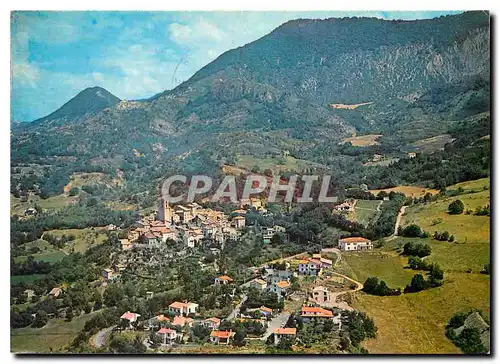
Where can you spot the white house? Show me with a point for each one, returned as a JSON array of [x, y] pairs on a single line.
[[355, 243], [286, 332], [182, 308], [223, 280], [131, 317], [258, 284], [212, 323], [168, 335], [221, 337]]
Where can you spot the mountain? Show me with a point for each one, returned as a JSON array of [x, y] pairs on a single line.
[[417, 79], [88, 102]]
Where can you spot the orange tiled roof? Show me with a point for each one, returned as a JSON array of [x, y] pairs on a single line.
[[283, 284], [316, 312], [213, 319], [265, 309], [286, 331], [225, 278], [165, 330], [303, 261], [178, 305], [222, 334], [356, 239]]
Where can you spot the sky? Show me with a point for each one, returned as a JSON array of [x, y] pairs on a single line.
[[134, 55]]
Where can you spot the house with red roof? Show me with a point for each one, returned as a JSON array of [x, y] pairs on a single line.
[[212, 323], [168, 335], [355, 243], [131, 317], [182, 321], [221, 337], [182, 308], [223, 280], [285, 332], [307, 313]]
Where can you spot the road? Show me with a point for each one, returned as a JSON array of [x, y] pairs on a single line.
[[276, 322], [234, 313], [398, 222], [99, 339]]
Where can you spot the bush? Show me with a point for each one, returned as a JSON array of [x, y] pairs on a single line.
[[416, 249], [412, 231], [456, 207], [379, 288], [74, 191]]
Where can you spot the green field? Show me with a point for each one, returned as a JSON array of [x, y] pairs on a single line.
[[472, 233], [415, 322], [54, 335], [387, 265], [55, 202], [365, 211]]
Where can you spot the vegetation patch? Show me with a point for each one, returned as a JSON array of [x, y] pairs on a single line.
[[408, 191], [363, 140]]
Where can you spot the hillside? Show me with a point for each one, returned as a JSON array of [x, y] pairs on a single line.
[[420, 78], [88, 102]]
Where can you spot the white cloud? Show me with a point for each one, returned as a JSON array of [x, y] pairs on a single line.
[[26, 74]]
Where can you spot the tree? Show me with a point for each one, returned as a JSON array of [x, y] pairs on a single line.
[[436, 271], [417, 284], [40, 319], [239, 337], [469, 341], [412, 231], [456, 207], [370, 285], [74, 191]]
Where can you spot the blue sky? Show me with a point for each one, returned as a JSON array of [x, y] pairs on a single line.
[[55, 55]]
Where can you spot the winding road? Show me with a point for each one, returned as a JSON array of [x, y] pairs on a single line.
[[99, 339], [398, 222]]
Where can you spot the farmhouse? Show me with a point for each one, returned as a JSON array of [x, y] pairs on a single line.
[[56, 291], [355, 243], [182, 321], [131, 317], [108, 274]]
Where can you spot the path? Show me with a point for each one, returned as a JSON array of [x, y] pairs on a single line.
[[398, 222], [236, 310], [99, 339], [278, 260], [334, 295]]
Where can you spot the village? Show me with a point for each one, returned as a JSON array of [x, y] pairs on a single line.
[[301, 288]]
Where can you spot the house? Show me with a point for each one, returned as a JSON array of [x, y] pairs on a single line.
[[412, 155], [212, 323], [265, 311], [157, 320], [131, 317], [182, 321], [326, 263], [108, 274], [184, 213], [286, 332], [279, 229], [149, 238], [168, 335], [347, 206], [320, 294], [221, 337], [310, 267], [281, 288], [316, 256], [223, 280], [30, 211], [126, 244], [355, 243], [111, 227], [308, 313], [192, 237], [164, 233], [29, 294], [239, 222], [258, 284], [182, 308], [149, 295], [55, 292]]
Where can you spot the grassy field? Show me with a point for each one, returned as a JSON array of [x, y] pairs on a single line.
[[410, 191], [365, 211], [363, 140], [472, 186], [84, 238], [472, 233], [387, 265], [80, 179], [54, 335], [415, 323]]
